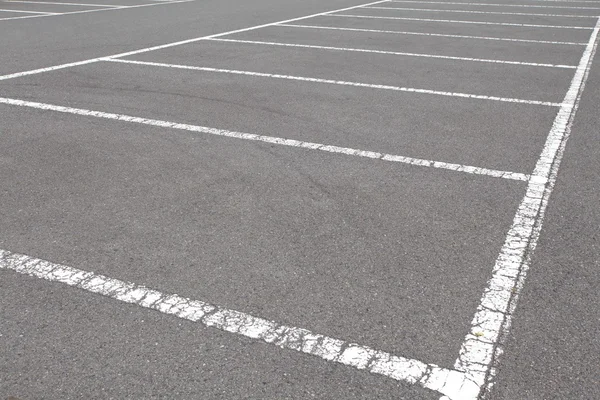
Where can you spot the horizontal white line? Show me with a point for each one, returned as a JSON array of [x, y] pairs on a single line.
[[493, 4], [287, 337], [569, 1], [22, 17], [272, 140], [461, 22], [29, 12], [336, 82], [62, 4], [396, 53], [432, 34], [481, 12]]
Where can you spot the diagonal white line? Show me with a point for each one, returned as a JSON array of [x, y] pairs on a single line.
[[493, 4], [173, 44], [64, 4], [273, 140], [97, 10], [337, 82], [288, 337], [430, 34], [37, 13], [483, 345], [397, 53], [480, 12], [453, 21]]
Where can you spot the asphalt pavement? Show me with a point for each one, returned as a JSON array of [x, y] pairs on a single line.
[[368, 200]]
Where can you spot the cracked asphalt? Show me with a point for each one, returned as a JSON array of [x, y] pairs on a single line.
[[390, 256]]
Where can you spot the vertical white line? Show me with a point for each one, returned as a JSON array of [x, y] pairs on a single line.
[[483, 344]]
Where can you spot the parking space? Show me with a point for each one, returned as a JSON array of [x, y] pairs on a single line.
[[345, 183]]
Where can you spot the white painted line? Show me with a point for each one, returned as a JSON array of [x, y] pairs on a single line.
[[483, 345], [481, 12], [569, 1], [462, 22], [493, 5], [287, 337], [22, 17], [29, 12], [396, 53], [99, 9], [64, 4], [432, 34], [272, 140], [173, 44], [336, 82]]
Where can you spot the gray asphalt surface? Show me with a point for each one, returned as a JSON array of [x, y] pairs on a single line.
[[386, 255]]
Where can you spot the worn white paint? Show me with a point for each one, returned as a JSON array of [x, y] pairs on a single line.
[[493, 4], [97, 10], [286, 337], [173, 44], [484, 343], [396, 53], [42, 13], [337, 82], [453, 21], [272, 140], [336, 28], [480, 12], [64, 4]]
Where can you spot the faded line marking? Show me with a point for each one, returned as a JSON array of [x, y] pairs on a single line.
[[287, 337], [483, 345], [396, 53], [494, 4], [99, 9], [173, 44], [29, 12], [453, 21], [273, 140], [64, 4], [336, 82], [431, 34], [481, 12]]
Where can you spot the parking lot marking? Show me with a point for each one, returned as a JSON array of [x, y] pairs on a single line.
[[29, 12], [173, 44], [396, 53], [431, 34], [272, 140], [480, 12], [493, 4], [283, 336], [63, 4], [569, 1], [453, 21], [336, 82], [99, 9], [484, 343]]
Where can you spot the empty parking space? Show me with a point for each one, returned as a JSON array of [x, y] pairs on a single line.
[[445, 27], [364, 184], [371, 37], [360, 118], [338, 237]]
